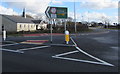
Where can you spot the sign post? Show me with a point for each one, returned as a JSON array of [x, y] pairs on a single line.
[[56, 13], [51, 29], [65, 25]]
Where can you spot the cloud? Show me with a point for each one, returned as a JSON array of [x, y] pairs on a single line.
[[56, 2], [78, 15], [31, 6], [93, 16], [7, 11], [36, 8], [100, 4]]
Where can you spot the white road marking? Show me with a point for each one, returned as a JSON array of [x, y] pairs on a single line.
[[67, 53], [72, 59], [34, 48], [9, 50], [93, 57], [95, 33], [73, 41], [100, 61]]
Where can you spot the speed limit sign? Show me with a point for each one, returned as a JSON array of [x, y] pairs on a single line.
[[53, 10]]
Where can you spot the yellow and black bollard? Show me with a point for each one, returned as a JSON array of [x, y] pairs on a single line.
[[67, 37]]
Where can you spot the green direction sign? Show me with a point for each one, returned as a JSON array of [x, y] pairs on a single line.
[[56, 12]]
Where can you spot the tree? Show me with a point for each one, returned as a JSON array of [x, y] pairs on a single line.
[[105, 20], [70, 19]]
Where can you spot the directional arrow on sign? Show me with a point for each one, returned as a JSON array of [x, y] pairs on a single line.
[[46, 12]]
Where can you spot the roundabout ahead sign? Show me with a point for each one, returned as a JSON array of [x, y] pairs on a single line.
[[56, 12]]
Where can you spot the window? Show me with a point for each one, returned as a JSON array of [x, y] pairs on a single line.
[[24, 26], [20, 25]]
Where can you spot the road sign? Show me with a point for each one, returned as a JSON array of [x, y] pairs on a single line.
[[56, 12]]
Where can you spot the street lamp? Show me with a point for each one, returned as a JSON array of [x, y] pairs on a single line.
[[75, 17]]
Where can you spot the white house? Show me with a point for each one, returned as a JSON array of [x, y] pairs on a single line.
[[21, 23], [18, 23]]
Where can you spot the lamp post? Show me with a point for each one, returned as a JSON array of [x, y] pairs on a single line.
[[75, 17]]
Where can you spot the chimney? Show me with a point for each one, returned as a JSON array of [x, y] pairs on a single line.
[[23, 14]]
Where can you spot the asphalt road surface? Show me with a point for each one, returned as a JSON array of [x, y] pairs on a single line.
[[87, 52]]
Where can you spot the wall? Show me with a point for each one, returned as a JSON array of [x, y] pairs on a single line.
[[9, 25]]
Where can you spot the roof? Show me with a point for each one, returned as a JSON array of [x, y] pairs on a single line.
[[36, 21], [18, 19]]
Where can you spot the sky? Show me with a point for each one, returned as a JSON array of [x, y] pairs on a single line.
[[86, 10]]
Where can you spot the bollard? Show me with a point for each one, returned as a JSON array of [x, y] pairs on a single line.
[[4, 35], [67, 37]]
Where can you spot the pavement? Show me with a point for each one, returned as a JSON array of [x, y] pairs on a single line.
[[86, 52]]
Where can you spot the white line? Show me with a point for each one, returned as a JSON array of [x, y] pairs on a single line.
[[93, 56], [10, 44], [73, 41], [82, 60], [33, 48], [16, 51], [67, 53], [103, 62], [90, 55]]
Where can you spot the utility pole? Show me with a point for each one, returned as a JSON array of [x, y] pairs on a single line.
[[75, 16], [88, 18]]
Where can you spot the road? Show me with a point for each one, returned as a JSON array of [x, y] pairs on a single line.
[[88, 52]]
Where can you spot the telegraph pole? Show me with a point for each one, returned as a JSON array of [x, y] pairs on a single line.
[[75, 16]]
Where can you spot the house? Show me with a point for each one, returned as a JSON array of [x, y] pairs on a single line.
[[17, 23], [21, 23], [40, 25]]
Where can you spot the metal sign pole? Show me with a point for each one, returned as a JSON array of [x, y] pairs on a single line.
[[51, 29], [65, 24], [75, 17]]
